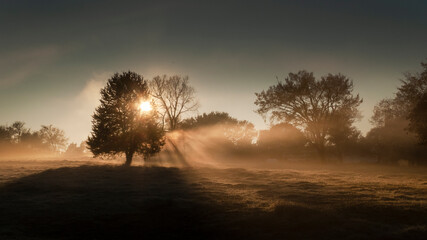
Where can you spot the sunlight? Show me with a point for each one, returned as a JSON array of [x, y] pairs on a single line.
[[145, 107]]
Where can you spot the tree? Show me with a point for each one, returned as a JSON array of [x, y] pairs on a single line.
[[418, 119], [53, 137], [413, 87], [343, 135], [310, 104], [281, 141], [400, 120], [413, 93], [34, 141], [175, 97], [119, 126], [207, 119], [387, 110], [18, 129], [5, 134], [73, 150], [238, 133]]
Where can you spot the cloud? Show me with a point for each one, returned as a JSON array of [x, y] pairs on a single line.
[[89, 96], [77, 120], [20, 65]]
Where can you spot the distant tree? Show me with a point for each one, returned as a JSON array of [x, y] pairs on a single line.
[[281, 141], [207, 119], [118, 125], [18, 129], [53, 137], [5, 134], [418, 119], [342, 134], [387, 110], [391, 143], [34, 141], [239, 133], [400, 120], [413, 87], [73, 150], [175, 97], [310, 104]]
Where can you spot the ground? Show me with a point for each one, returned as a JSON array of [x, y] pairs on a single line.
[[89, 199]]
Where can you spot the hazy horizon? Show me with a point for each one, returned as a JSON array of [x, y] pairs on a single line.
[[57, 55]]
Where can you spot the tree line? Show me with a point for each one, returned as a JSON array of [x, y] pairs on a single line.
[[18, 140], [309, 118]]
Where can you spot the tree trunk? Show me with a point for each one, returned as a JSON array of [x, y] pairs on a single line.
[[129, 156]]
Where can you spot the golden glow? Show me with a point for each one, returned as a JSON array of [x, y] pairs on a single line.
[[145, 107]]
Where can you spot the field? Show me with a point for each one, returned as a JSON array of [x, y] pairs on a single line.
[[90, 199]]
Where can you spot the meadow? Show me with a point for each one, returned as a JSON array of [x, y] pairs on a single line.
[[93, 199]]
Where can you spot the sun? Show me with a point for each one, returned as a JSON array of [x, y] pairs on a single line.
[[145, 107]]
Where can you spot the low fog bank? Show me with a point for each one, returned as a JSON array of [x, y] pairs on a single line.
[[238, 146], [17, 142], [218, 147]]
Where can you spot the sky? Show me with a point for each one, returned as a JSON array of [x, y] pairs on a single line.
[[56, 55]]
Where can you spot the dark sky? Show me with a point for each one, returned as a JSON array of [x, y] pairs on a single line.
[[55, 55]]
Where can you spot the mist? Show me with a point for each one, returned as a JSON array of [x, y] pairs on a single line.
[[213, 120]]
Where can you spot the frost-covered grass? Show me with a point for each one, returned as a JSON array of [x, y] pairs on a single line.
[[87, 199]]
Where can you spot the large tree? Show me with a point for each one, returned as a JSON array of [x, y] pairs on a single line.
[[120, 125], [312, 105], [175, 97]]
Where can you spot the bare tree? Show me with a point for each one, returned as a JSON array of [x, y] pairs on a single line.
[[175, 97]]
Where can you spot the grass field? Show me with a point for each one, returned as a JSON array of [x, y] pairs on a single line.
[[94, 200]]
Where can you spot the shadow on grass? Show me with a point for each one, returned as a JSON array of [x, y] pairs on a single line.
[[106, 202]]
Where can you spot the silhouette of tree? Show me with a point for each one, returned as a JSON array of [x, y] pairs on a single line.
[[119, 126], [5, 134], [76, 151], [175, 97], [310, 104], [418, 119], [207, 119], [33, 140], [342, 134], [281, 141], [53, 137], [239, 133], [391, 142], [17, 130], [400, 120], [387, 110], [413, 87]]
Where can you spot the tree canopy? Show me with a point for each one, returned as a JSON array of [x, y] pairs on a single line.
[[281, 141], [316, 106], [239, 133], [118, 125], [418, 119], [53, 137], [408, 105]]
